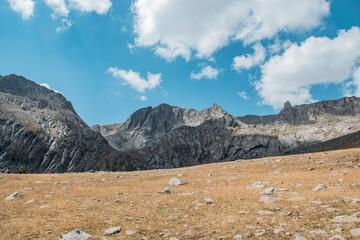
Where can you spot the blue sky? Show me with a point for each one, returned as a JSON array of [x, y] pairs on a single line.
[[110, 58]]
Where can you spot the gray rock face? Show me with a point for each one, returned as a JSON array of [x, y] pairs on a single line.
[[40, 129]]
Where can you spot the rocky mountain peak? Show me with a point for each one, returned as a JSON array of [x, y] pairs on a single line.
[[20, 86]]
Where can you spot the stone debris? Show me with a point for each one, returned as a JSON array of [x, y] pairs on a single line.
[[350, 199], [190, 193], [238, 237], [30, 201], [75, 235], [112, 231], [272, 190], [319, 187], [12, 196], [266, 199], [38, 182], [243, 212], [346, 219], [167, 190], [176, 182], [209, 200], [130, 232], [259, 185], [337, 237], [279, 230], [265, 212], [355, 232]]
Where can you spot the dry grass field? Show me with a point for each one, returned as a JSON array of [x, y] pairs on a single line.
[[53, 204]]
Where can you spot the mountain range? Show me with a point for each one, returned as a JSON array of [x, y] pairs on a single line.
[[40, 129]]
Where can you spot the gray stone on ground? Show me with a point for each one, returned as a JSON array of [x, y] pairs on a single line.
[[12, 196], [266, 199], [265, 212], [319, 187], [271, 191], [130, 232], [167, 190], [259, 184], [346, 219], [355, 232], [176, 182], [279, 230], [337, 237], [112, 231], [75, 235], [238, 237], [209, 200]]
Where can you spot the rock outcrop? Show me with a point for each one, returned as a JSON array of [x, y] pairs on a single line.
[[40, 129]]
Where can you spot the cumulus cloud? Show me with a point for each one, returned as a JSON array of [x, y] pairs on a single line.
[[356, 77], [206, 72], [61, 9], [58, 7], [317, 60], [134, 80], [99, 6], [179, 27], [243, 95], [249, 61], [23, 7]]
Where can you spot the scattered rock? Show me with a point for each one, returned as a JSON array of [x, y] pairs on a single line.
[[266, 199], [190, 233], [30, 201], [209, 200], [271, 191], [319, 187], [265, 212], [75, 235], [259, 184], [130, 232], [355, 232], [176, 182], [167, 190], [38, 182], [279, 230], [112, 231], [12, 196], [337, 237], [345, 219], [238, 237]]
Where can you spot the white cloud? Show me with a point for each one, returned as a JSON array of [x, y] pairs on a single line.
[[58, 7], [99, 6], [134, 79], [206, 72], [321, 60], [356, 77], [178, 27], [143, 98], [243, 95], [23, 7], [249, 61], [48, 87], [66, 23]]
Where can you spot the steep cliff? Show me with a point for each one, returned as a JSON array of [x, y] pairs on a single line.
[[40, 129]]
